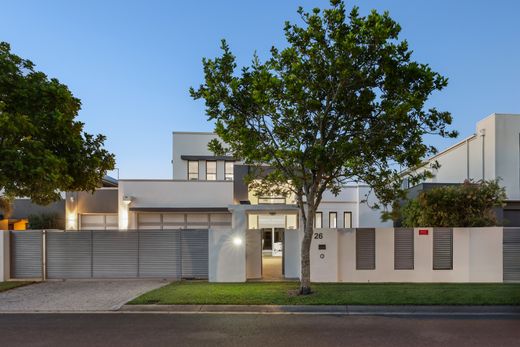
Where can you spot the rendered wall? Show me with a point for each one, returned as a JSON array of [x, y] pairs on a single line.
[[191, 143], [477, 257], [227, 260], [169, 193], [507, 140]]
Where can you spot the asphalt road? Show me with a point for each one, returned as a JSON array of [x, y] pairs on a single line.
[[118, 329]]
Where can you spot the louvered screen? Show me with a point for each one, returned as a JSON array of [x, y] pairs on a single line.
[[403, 249], [442, 249], [365, 249], [511, 254]]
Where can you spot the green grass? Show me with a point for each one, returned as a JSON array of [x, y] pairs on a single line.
[[283, 293], [10, 285]]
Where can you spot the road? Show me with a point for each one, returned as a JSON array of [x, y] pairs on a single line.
[[118, 329]]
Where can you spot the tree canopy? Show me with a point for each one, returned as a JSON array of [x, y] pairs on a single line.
[[343, 102], [43, 149]]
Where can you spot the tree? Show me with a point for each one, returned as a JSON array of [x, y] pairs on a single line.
[[43, 149], [471, 204], [343, 102]]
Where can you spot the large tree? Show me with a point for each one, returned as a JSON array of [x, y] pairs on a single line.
[[43, 149], [343, 102]]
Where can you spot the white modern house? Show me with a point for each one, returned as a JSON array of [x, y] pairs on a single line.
[[205, 222]]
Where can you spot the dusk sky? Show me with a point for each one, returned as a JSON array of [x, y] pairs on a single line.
[[132, 62]]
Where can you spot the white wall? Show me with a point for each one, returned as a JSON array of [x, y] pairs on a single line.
[[191, 143], [169, 193], [349, 200], [507, 154], [477, 257], [227, 260]]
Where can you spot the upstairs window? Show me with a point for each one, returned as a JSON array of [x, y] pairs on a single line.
[[318, 220], [228, 170], [211, 170], [193, 170], [347, 219], [333, 219]]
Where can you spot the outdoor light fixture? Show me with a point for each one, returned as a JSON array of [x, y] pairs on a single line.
[[237, 241], [127, 199]]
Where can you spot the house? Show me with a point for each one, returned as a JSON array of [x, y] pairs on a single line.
[[493, 152], [205, 222]]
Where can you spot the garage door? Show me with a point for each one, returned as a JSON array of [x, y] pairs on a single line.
[[161, 221], [98, 222]]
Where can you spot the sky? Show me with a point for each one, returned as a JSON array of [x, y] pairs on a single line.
[[132, 62]]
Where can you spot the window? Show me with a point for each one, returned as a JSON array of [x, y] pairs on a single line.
[[403, 249], [211, 170], [365, 249], [271, 200], [193, 170], [333, 218], [442, 249], [318, 220], [228, 170], [347, 219]]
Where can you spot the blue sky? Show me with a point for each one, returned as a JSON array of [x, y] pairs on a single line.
[[132, 62]]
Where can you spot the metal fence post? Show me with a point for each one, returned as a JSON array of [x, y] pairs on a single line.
[[44, 255]]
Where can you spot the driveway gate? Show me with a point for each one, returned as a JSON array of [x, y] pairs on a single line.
[[111, 254]]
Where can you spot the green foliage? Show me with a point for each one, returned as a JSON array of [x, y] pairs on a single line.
[[45, 221], [6, 207], [343, 102], [43, 150], [467, 205]]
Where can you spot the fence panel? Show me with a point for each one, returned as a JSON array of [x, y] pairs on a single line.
[[160, 253], [26, 254], [69, 254]]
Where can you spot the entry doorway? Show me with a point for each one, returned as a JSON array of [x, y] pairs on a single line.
[[272, 253]]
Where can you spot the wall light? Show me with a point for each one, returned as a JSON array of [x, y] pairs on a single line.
[[127, 199], [71, 221], [237, 241]]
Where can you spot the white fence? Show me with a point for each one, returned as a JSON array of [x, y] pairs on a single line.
[[471, 255]]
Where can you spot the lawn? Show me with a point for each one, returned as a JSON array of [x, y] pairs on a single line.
[[10, 285], [283, 293]]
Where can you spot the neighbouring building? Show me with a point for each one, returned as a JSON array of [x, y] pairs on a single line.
[[493, 152]]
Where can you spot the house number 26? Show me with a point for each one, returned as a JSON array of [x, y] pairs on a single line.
[[318, 236]]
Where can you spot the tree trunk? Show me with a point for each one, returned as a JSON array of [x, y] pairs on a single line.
[[308, 228]]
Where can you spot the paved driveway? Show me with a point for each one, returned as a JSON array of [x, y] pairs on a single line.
[[75, 295]]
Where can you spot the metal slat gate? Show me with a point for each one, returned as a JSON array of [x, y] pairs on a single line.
[[111, 254], [26, 254], [194, 252], [511, 244]]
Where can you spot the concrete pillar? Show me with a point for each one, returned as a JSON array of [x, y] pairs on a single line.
[[227, 250]]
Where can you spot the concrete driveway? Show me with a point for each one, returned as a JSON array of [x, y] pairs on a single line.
[[75, 295]]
